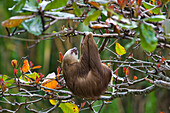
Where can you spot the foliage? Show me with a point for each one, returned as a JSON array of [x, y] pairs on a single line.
[[139, 32]]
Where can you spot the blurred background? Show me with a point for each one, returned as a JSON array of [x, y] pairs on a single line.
[[46, 54]]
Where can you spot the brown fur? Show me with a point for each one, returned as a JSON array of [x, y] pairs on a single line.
[[88, 77]]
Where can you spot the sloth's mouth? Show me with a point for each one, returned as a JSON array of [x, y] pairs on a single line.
[[74, 50]]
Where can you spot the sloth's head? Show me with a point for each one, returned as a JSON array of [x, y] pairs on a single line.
[[71, 56]]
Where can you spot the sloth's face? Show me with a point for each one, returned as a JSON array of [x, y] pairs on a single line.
[[74, 51], [71, 54]]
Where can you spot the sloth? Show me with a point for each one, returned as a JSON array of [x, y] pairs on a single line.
[[86, 77]]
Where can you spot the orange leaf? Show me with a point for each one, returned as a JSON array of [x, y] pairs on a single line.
[[36, 67], [135, 78], [14, 63], [162, 60], [52, 84], [15, 21], [26, 66], [50, 81], [127, 71], [120, 50], [108, 64], [95, 4]]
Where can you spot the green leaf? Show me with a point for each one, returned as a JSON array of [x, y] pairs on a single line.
[[60, 14], [9, 82], [130, 43], [77, 11], [92, 17], [32, 4], [147, 36], [155, 18], [166, 27], [33, 25], [69, 108], [149, 6], [56, 4], [18, 6], [4, 77], [33, 75]]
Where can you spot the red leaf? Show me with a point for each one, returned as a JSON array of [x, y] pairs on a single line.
[[14, 63], [157, 65], [2, 84], [58, 85], [15, 71], [122, 3], [107, 31], [109, 14], [62, 28], [124, 69], [83, 104], [31, 64], [159, 2], [61, 56], [39, 78], [147, 58], [139, 2]]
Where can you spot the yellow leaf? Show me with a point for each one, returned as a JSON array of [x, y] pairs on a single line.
[[53, 102], [15, 21], [69, 107], [120, 50]]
